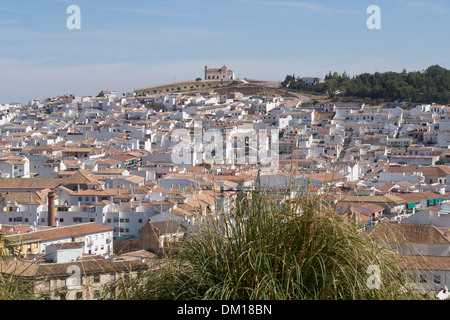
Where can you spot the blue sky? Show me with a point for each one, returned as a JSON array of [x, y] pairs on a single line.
[[126, 45]]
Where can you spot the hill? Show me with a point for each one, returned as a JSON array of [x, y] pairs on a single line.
[[428, 86], [250, 87], [187, 86]]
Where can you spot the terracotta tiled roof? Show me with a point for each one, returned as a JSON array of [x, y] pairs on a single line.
[[80, 178], [60, 232], [55, 270], [29, 183], [111, 171], [423, 262], [418, 196], [431, 171], [390, 233], [37, 197], [370, 199], [123, 156], [326, 176]]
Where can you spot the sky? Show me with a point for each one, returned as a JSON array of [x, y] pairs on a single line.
[[128, 45]]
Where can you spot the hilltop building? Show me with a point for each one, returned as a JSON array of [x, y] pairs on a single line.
[[222, 73]]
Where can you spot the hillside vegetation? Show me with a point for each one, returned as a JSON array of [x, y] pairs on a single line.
[[428, 86]]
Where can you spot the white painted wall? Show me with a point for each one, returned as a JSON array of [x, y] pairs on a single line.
[[53, 254]]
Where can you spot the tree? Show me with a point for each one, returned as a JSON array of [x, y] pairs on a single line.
[[428, 86], [289, 82]]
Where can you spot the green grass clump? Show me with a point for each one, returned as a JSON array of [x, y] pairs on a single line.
[[12, 286], [295, 249]]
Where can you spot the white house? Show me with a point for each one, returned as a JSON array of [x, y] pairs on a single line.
[[15, 167], [439, 218], [443, 139], [93, 238], [411, 177], [63, 252]]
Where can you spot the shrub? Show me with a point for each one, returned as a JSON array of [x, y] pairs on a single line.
[[297, 248]]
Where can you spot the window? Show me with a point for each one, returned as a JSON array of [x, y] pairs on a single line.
[[122, 220], [80, 198], [108, 220], [140, 220], [96, 278], [127, 220], [79, 295], [437, 279], [423, 278]]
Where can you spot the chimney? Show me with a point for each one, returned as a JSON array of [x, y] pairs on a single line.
[[51, 209]]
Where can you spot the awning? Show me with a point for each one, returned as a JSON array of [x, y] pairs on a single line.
[[431, 202], [411, 205]]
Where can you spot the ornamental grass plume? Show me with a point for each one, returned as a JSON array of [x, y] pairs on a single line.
[[12, 286], [295, 248]]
